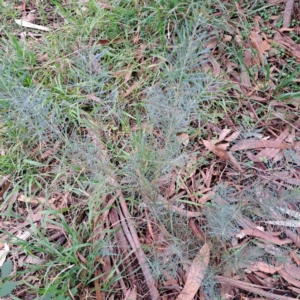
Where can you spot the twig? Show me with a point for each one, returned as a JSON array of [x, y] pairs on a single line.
[[123, 245], [139, 253], [251, 288], [285, 121]]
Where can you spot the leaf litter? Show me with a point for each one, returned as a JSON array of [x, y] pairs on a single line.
[[275, 148]]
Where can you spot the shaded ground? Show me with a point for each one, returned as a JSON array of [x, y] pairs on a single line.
[[150, 150]]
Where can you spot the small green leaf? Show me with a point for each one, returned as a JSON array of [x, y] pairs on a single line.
[[7, 288], [48, 297], [6, 268], [74, 291]]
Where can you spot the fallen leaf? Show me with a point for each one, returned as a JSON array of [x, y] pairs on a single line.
[[270, 153], [30, 17], [105, 42], [131, 89], [180, 210], [222, 154], [136, 38], [216, 67], [255, 144], [166, 184], [37, 200], [223, 134], [257, 44], [93, 97], [289, 278], [31, 25], [264, 267], [183, 138], [196, 274], [226, 38], [238, 39], [212, 43], [233, 136], [264, 235]]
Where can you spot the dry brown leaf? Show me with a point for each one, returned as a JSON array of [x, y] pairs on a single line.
[[105, 42], [233, 136], [212, 43], [216, 67], [255, 144], [264, 267], [257, 44], [270, 153], [93, 97], [290, 279], [180, 210], [36, 200], [248, 58], [131, 89], [257, 98], [99, 295], [222, 154], [196, 274], [223, 134], [264, 235], [205, 198], [30, 17], [245, 79], [183, 138], [136, 39], [226, 38], [265, 46], [166, 184], [239, 39], [4, 185]]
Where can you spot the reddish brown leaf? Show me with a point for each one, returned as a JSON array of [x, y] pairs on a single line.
[[105, 41], [97, 287], [263, 235]]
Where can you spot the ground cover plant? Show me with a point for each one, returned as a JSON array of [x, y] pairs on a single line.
[[149, 150]]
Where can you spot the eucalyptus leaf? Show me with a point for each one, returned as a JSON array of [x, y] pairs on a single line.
[[6, 269], [7, 288]]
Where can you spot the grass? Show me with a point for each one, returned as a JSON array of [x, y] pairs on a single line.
[[103, 117]]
